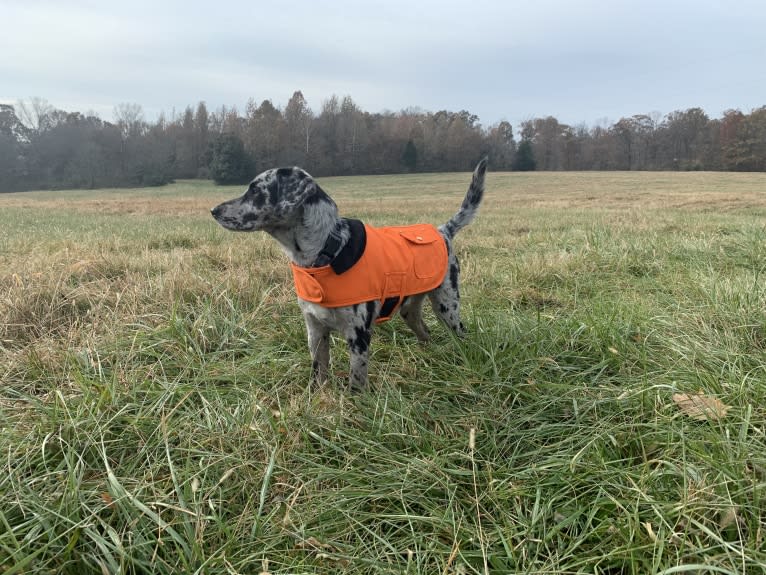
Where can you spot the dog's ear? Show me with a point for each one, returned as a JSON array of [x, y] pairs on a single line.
[[294, 185], [305, 188], [289, 190]]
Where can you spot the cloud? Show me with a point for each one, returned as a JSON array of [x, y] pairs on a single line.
[[575, 60]]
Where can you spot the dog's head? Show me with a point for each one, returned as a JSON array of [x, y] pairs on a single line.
[[274, 199]]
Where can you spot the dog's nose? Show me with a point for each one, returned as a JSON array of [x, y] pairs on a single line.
[[216, 211]]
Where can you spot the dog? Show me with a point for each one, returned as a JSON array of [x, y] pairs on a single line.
[[329, 253]]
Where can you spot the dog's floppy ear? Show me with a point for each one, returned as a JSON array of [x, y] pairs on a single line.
[[293, 186]]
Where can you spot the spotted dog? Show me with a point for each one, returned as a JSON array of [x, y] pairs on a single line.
[[290, 206]]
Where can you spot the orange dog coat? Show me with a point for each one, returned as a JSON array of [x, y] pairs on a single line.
[[395, 262]]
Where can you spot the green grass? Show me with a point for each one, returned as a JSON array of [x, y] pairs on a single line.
[[156, 414]]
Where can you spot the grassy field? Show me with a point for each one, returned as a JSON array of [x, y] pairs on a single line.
[[156, 414]]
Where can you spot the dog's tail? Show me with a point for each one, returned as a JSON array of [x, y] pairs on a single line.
[[470, 205]]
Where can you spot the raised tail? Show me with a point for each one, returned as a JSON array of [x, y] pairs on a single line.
[[470, 204]]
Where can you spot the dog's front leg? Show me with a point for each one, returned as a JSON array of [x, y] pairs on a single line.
[[358, 332], [359, 351], [319, 347]]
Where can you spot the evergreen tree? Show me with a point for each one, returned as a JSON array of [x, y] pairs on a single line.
[[229, 164], [410, 156], [525, 157]]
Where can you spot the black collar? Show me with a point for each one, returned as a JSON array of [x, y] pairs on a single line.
[[331, 246]]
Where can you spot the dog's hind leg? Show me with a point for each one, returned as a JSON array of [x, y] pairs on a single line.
[[319, 347], [445, 300], [412, 314]]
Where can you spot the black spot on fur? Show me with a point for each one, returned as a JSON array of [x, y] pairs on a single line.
[[273, 190], [370, 314], [361, 342], [453, 275], [317, 197], [443, 308], [259, 199], [249, 217]]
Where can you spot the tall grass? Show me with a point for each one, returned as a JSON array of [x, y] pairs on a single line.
[[156, 414]]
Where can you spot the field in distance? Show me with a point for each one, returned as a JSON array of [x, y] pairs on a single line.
[[605, 414]]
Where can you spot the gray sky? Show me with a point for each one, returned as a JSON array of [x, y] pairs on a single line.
[[578, 60]]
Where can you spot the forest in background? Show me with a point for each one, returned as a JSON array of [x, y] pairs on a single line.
[[42, 147]]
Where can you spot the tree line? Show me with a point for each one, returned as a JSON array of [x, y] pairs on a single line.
[[45, 148], [681, 140]]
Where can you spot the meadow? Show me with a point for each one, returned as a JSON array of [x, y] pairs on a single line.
[[606, 413]]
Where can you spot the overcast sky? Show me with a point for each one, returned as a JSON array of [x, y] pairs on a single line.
[[578, 60]]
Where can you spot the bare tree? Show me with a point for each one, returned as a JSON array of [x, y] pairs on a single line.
[[130, 119], [547, 137], [34, 114], [352, 132], [300, 122], [501, 145], [687, 132]]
